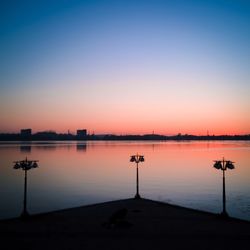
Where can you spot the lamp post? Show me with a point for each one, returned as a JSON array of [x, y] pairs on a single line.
[[224, 165], [25, 165], [137, 158]]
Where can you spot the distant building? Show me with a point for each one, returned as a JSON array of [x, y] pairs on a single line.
[[45, 135], [26, 132], [80, 133]]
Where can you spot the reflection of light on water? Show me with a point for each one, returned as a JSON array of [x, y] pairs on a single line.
[[240, 205], [79, 173], [244, 208]]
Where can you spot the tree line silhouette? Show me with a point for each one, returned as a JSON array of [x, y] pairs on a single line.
[[50, 135]]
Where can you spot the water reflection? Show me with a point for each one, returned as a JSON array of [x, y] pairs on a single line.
[[25, 149], [81, 147], [176, 172]]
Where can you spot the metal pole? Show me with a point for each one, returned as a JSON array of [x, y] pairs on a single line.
[[224, 195], [25, 213], [137, 179], [137, 196]]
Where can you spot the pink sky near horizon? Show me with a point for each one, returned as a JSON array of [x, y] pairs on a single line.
[[162, 109], [133, 127]]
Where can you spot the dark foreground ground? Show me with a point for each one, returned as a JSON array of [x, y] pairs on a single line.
[[139, 224]]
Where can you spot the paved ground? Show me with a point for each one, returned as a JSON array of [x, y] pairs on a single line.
[[125, 224]]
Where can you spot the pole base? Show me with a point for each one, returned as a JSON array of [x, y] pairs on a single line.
[[25, 215], [224, 215], [137, 196]]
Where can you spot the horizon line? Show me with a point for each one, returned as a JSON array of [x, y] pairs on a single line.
[[128, 134]]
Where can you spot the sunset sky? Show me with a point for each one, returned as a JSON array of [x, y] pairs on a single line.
[[125, 67]]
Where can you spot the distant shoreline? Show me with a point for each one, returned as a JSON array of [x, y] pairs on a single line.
[[147, 137]]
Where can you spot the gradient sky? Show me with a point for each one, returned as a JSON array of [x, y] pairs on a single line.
[[125, 66]]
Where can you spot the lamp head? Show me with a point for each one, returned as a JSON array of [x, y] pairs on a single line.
[[218, 165], [230, 165], [16, 166], [132, 159], [141, 158], [35, 165]]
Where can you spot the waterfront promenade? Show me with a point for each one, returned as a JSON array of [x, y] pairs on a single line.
[[126, 224]]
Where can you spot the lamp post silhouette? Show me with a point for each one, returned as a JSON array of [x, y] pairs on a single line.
[[25, 165], [137, 158], [224, 165]]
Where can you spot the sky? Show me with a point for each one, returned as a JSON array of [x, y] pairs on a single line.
[[125, 67]]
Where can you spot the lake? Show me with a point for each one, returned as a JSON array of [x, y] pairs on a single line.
[[76, 173]]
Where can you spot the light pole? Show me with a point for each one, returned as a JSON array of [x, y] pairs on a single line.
[[224, 165], [137, 158], [25, 165]]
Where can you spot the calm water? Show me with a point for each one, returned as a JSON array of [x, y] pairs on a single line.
[[77, 173]]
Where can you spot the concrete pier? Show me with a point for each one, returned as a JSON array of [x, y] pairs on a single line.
[[126, 224]]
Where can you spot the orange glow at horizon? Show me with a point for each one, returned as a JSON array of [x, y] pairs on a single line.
[[120, 127], [151, 112]]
